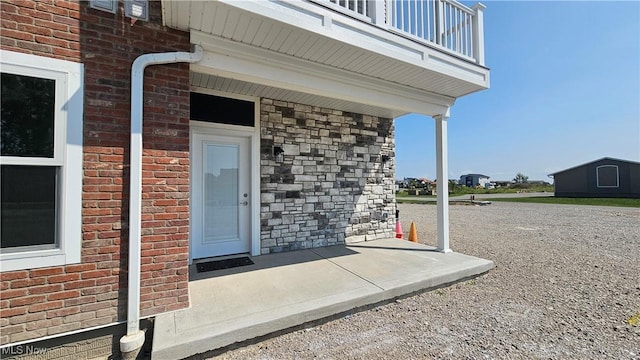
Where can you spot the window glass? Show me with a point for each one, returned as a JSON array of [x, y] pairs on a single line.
[[222, 110], [28, 206], [607, 176], [27, 116]]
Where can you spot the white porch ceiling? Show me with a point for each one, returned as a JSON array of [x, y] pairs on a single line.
[[232, 86]]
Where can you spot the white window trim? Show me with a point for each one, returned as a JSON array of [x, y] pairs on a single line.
[[598, 176], [68, 129]]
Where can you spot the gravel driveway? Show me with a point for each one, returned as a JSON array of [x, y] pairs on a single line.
[[567, 280]]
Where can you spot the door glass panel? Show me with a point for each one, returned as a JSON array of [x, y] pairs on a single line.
[[221, 193]]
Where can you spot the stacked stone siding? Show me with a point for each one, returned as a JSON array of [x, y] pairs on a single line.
[[331, 186]]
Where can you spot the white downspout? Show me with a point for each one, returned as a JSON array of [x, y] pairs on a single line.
[[134, 339]]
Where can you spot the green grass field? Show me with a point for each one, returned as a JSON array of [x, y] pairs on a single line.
[[575, 201]]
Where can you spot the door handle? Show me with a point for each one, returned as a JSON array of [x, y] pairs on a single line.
[[245, 203]]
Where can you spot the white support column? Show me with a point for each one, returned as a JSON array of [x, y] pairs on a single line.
[[442, 176]]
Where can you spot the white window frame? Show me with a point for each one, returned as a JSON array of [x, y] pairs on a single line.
[[67, 155], [598, 176]]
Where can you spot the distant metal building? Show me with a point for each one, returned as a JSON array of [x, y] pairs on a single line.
[[606, 177], [473, 180]]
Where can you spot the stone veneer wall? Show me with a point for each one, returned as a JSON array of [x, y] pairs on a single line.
[[332, 185]]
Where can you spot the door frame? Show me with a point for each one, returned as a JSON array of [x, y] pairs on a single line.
[[253, 134]]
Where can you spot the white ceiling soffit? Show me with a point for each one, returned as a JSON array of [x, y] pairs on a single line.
[[227, 85]]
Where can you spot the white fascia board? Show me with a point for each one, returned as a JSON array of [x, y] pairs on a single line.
[[247, 63]]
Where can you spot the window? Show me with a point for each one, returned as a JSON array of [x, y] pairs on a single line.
[[607, 176], [222, 110], [40, 161]]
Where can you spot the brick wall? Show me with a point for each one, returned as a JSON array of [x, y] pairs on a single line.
[[48, 301], [331, 186]]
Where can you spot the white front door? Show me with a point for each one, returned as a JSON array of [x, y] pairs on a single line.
[[221, 198]]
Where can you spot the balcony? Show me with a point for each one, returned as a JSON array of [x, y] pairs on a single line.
[[443, 24], [385, 58]]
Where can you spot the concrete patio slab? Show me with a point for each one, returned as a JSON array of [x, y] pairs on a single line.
[[285, 290]]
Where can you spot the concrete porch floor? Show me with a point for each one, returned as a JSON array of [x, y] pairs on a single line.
[[285, 290]]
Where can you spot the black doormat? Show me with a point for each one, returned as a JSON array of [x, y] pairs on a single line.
[[223, 264]]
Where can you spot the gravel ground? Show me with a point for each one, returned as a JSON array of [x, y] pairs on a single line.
[[566, 282]]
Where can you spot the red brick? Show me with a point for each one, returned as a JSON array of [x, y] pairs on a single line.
[[96, 212], [21, 35], [64, 295], [96, 290], [63, 278], [20, 19], [51, 9], [71, 5], [13, 311], [27, 282], [65, 20], [152, 267], [7, 276], [107, 280], [72, 54], [7, 8], [80, 268], [45, 289], [10, 294], [46, 272], [96, 196], [96, 227], [52, 41], [27, 300], [109, 234], [79, 284], [165, 216], [49, 305], [95, 274]]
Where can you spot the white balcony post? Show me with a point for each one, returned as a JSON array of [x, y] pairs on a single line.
[[478, 33], [440, 23], [442, 187], [377, 11]]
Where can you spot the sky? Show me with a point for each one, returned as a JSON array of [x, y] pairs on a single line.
[[564, 91]]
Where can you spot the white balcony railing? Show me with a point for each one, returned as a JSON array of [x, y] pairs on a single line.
[[446, 24]]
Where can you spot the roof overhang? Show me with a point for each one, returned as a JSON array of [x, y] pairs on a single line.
[[300, 51]]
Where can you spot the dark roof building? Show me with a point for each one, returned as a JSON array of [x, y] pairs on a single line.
[[473, 180], [606, 177]]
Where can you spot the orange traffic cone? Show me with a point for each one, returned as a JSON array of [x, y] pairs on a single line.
[[413, 233], [398, 225]]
